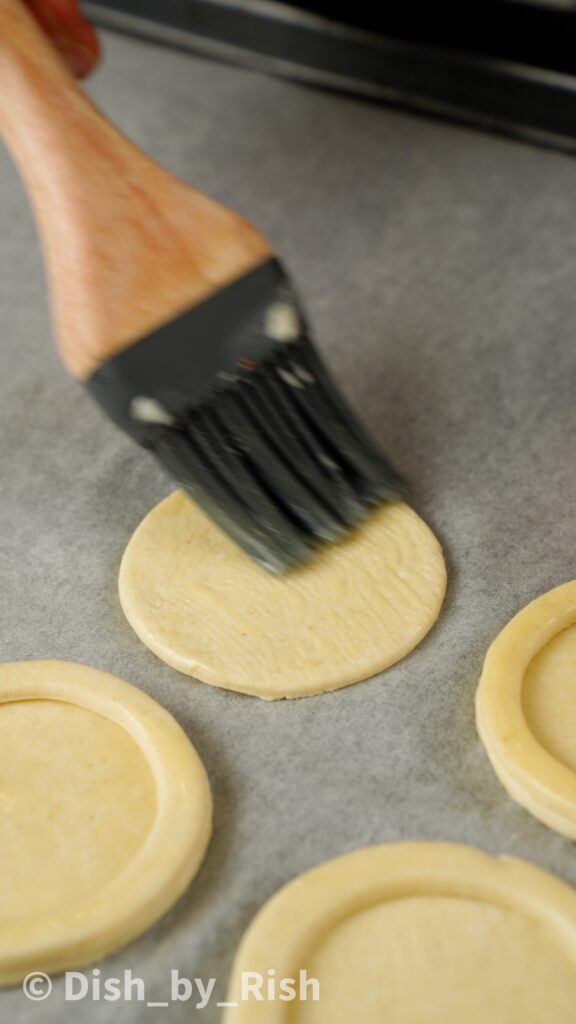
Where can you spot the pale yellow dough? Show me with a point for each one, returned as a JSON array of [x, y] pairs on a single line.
[[526, 708], [205, 608], [414, 933], [105, 815]]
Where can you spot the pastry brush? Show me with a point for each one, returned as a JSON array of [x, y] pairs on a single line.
[[182, 323]]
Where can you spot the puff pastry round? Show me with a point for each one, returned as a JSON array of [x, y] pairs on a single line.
[[205, 608], [410, 933], [105, 815], [526, 708]]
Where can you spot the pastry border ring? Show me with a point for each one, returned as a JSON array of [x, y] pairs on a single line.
[[300, 915], [531, 774], [131, 901]]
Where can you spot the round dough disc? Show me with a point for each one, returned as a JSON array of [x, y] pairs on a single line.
[[105, 815], [412, 932], [526, 708], [207, 609]]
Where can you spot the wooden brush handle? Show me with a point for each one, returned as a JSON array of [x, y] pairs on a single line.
[[127, 245]]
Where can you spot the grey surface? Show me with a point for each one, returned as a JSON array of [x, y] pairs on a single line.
[[439, 267]]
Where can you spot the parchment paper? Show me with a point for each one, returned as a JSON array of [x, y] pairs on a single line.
[[439, 267]]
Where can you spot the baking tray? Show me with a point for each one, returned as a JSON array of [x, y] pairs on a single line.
[[507, 67]]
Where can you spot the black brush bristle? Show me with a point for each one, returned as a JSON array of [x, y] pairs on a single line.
[[240, 409]]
